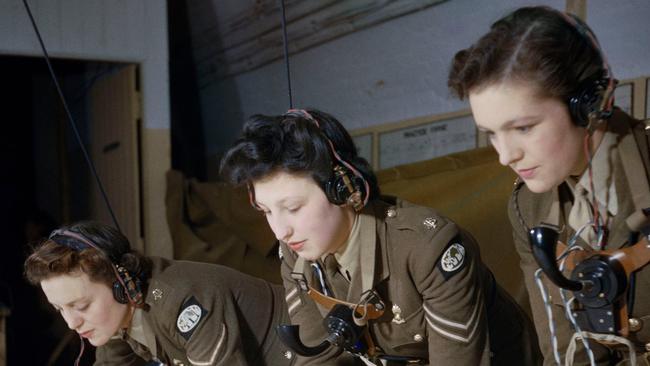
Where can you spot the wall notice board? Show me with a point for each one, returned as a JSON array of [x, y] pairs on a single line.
[[428, 137]]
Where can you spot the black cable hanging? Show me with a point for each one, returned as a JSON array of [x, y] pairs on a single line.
[[285, 43], [69, 115]]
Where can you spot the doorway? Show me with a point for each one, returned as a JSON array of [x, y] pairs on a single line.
[[46, 181]]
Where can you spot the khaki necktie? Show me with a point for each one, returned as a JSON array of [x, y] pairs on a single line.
[[336, 280], [581, 214]]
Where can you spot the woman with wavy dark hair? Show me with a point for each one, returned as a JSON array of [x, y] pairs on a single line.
[[395, 283], [139, 309]]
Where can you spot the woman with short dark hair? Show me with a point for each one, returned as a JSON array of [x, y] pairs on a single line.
[[395, 283]]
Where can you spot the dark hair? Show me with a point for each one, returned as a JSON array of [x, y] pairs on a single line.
[[69, 255], [295, 144], [535, 45]]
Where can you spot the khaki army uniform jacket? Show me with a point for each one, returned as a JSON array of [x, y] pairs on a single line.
[[442, 303], [203, 314], [529, 209]]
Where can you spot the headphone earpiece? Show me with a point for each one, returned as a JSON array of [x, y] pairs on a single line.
[[127, 288], [346, 185], [119, 293], [344, 188], [586, 104]]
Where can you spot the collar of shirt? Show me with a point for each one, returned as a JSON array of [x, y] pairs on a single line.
[[348, 254], [136, 336], [602, 169], [136, 329]]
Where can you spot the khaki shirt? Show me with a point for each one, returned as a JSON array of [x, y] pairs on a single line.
[[536, 208], [203, 314], [442, 303]]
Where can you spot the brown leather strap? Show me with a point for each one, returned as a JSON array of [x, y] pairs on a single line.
[[632, 258], [372, 350], [367, 311]]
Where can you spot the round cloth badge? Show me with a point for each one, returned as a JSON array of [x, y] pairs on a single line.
[[189, 318], [453, 258]]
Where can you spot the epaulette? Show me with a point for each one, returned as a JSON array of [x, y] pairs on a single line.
[[448, 250], [417, 218]]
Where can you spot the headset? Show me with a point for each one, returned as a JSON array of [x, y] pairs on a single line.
[[594, 98], [345, 186], [126, 288]]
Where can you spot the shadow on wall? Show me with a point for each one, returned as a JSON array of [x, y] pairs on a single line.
[[29, 152], [203, 110], [186, 121]]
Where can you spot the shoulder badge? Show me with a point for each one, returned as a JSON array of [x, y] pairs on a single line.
[[189, 317], [453, 259], [416, 218]]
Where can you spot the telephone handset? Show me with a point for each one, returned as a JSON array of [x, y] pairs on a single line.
[[599, 278]]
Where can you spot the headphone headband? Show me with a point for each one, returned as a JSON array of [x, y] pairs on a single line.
[[594, 99], [302, 113], [353, 195], [74, 244], [583, 29], [339, 188]]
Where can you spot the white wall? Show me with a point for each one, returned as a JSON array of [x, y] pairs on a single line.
[[398, 70], [133, 31], [107, 30], [623, 29]]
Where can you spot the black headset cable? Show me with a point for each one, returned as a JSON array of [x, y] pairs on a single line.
[[91, 165]]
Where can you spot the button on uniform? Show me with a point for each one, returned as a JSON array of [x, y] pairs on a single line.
[[391, 212], [635, 324], [418, 338]]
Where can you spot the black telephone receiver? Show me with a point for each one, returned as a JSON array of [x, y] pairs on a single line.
[[543, 241], [342, 332], [597, 282]]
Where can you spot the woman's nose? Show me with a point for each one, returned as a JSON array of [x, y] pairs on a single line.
[[281, 229], [508, 152], [74, 321]]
